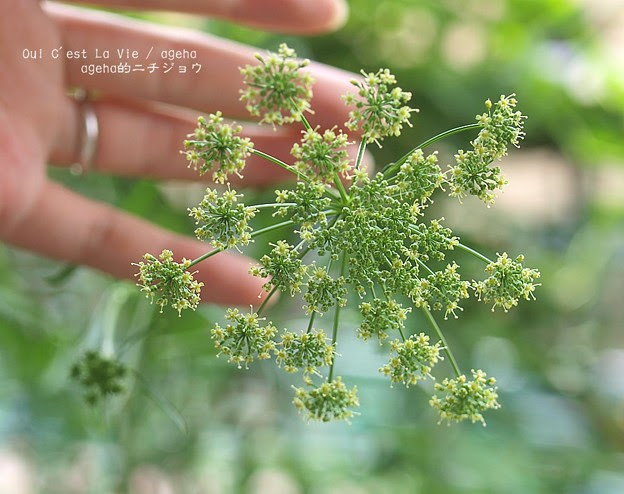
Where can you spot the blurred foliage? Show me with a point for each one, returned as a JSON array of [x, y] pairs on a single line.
[[200, 425]]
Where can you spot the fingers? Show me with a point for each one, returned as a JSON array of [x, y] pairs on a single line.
[[66, 226], [144, 140], [290, 16], [215, 87]]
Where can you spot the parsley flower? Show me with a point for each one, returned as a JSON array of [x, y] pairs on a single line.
[[507, 283], [245, 338], [305, 351], [329, 401], [322, 156], [169, 282], [222, 219], [464, 399], [217, 145], [419, 176], [443, 290], [381, 316], [284, 266], [379, 111], [324, 292], [412, 361], [277, 90], [99, 375], [472, 173]]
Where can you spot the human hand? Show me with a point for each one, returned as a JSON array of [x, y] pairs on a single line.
[[40, 124]]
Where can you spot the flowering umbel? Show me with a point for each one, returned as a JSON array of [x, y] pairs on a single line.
[[363, 240], [217, 146], [464, 399], [168, 282], [276, 89], [100, 376]]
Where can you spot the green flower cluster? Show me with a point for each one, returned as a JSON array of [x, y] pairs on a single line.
[[412, 360], [472, 173], [322, 156], [464, 399], [331, 400], [276, 89], [245, 338], [217, 146], [284, 266], [306, 351], [507, 283], [169, 282], [100, 376], [380, 316], [222, 219], [372, 227], [324, 292], [419, 177], [306, 205], [379, 111], [443, 290]]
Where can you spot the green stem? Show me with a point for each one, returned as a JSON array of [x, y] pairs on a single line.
[[392, 167], [360, 154], [336, 320], [205, 256], [305, 122], [341, 189], [311, 322], [280, 163], [425, 266], [474, 253], [438, 331], [266, 300], [273, 205]]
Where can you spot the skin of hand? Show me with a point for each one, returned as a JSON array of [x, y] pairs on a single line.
[[142, 118]]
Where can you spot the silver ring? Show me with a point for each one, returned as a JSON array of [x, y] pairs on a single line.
[[89, 134]]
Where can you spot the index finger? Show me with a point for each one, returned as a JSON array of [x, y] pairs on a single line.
[[286, 16], [215, 86]]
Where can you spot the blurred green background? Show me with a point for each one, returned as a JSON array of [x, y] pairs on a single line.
[[191, 423]]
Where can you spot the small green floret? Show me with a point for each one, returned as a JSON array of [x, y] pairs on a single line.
[[306, 351], [100, 376], [419, 177], [168, 282], [277, 90], [380, 317], [380, 110], [472, 174], [284, 267], [412, 360], [222, 219], [327, 402], [322, 156], [443, 290], [245, 339], [507, 283], [324, 292], [217, 146], [464, 399]]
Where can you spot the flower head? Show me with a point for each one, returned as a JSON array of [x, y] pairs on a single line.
[[472, 173], [419, 176], [217, 146], [507, 283], [329, 401], [324, 291], [379, 109], [464, 399], [322, 156], [443, 290], [99, 375], [277, 90], [169, 282], [244, 339], [284, 266], [380, 317], [222, 219], [412, 359], [305, 351]]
